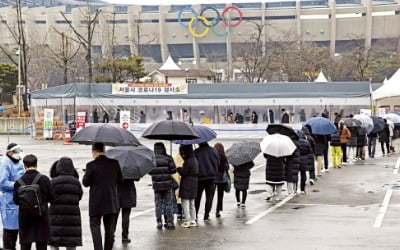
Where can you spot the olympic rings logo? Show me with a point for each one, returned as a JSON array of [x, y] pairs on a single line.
[[210, 25]]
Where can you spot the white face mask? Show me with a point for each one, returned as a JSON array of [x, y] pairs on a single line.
[[18, 156]]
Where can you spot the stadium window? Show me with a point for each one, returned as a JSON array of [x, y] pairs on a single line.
[[120, 21], [177, 8], [147, 21], [63, 21], [86, 22], [40, 21], [255, 6], [96, 48], [121, 9], [348, 2], [281, 5], [218, 6], [279, 17], [314, 4], [150, 8]]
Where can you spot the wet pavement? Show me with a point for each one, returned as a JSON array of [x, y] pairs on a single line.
[[356, 207]]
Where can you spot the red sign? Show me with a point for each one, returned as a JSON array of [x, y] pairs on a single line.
[[80, 119], [125, 125]]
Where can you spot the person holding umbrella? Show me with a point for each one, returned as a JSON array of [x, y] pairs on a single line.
[[102, 176], [221, 178], [384, 138], [311, 155], [208, 167], [188, 186], [305, 149], [241, 176], [274, 176], [162, 185]]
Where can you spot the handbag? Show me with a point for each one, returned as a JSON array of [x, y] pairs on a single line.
[[228, 182]]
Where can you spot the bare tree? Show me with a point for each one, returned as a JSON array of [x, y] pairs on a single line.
[[251, 53], [17, 30], [86, 39], [64, 53], [140, 37]]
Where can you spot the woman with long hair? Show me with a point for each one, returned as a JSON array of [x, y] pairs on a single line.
[[221, 177]]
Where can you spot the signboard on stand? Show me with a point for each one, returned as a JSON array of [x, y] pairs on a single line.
[[80, 120], [125, 120], [381, 112], [48, 123]]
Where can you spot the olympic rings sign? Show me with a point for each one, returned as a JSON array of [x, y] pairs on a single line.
[[210, 25]]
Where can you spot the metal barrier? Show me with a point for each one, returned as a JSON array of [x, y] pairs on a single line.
[[13, 125]]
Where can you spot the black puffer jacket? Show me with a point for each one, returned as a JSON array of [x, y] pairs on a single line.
[[292, 166], [275, 170], [311, 155], [305, 150], [353, 139], [321, 144], [189, 173], [208, 159], [384, 135], [165, 167], [241, 175], [65, 215], [335, 139]]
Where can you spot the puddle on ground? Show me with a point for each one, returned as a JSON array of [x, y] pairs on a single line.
[[298, 207], [315, 191], [370, 192], [395, 187]]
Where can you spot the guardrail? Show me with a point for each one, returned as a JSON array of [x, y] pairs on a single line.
[[14, 125]]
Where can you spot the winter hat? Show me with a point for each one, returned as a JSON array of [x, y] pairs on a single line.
[[13, 147], [98, 146]]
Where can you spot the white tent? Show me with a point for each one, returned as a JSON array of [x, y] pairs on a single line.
[[169, 64], [321, 78], [385, 81], [389, 89]]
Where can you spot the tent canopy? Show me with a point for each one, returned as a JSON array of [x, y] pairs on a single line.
[[390, 88], [321, 77]]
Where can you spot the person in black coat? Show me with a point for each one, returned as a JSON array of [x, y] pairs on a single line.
[[384, 138], [65, 214], [321, 149], [127, 200], [285, 116], [188, 186], [34, 229], [274, 176], [304, 149], [311, 156], [361, 143], [208, 167], [292, 168], [162, 185], [95, 116], [372, 143], [221, 177], [241, 179], [102, 176]]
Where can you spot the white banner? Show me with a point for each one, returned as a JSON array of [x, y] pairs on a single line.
[[149, 88], [48, 123], [125, 120], [381, 112]]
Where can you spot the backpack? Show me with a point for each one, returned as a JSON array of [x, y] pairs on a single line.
[[30, 198]]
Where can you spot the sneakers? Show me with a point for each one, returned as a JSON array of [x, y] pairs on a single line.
[[185, 224], [159, 225], [170, 226], [238, 204], [311, 182], [218, 215], [242, 205], [206, 218], [302, 192], [193, 224]]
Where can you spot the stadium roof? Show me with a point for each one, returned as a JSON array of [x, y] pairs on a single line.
[[51, 3]]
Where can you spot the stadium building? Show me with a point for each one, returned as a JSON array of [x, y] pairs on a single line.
[[194, 34]]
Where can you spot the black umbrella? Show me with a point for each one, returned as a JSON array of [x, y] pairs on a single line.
[[352, 123], [135, 162], [379, 123], [243, 152], [107, 134], [283, 130], [170, 130]]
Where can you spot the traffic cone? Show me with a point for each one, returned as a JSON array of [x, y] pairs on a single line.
[[67, 137]]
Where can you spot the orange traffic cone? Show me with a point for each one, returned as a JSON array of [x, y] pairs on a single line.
[[67, 137]]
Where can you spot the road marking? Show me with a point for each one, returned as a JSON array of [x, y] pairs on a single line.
[[141, 213], [396, 167], [269, 210], [382, 210]]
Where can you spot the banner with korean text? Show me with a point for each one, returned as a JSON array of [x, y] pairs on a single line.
[[149, 89]]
